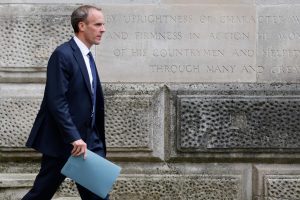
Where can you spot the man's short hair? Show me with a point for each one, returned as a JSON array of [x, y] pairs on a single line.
[[80, 15]]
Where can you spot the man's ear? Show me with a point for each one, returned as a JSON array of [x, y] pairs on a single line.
[[81, 26]]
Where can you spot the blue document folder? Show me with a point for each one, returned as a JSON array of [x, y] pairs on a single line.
[[94, 173]]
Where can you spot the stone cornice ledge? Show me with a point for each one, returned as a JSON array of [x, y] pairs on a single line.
[[22, 74]]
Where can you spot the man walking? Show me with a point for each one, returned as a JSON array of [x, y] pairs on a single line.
[[71, 116]]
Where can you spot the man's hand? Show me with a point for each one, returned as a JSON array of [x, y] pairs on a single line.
[[79, 147]]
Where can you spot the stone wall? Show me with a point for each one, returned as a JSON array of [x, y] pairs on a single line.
[[201, 96]]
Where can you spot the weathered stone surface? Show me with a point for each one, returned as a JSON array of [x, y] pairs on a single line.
[[177, 187], [68, 189], [128, 121], [276, 182], [205, 118], [213, 122], [16, 119], [21, 49], [134, 121], [282, 187], [29, 33], [19, 167], [212, 118], [157, 181], [14, 186], [25, 90], [179, 126]]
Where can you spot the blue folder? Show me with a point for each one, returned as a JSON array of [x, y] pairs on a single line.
[[94, 173]]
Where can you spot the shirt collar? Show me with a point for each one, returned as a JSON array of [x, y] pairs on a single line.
[[84, 50]]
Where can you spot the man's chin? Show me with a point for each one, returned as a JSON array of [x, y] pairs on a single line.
[[97, 42]]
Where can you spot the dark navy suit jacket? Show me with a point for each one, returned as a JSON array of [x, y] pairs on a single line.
[[65, 112]]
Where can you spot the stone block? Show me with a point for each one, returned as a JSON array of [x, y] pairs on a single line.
[[29, 39], [183, 181], [276, 182], [16, 118], [251, 118], [278, 49], [151, 181], [134, 121], [167, 187], [165, 181], [162, 42], [153, 43], [15, 186], [68, 189], [178, 43]]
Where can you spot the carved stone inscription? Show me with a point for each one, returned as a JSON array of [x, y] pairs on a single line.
[[278, 52], [178, 44]]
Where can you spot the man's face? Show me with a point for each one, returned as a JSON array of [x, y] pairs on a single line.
[[93, 28]]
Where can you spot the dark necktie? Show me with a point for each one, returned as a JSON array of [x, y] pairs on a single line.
[[94, 84]]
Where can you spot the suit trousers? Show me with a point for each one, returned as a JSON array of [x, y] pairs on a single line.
[[49, 177]]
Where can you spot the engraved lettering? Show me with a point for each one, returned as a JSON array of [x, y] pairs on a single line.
[[158, 35], [248, 68], [289, 36], [281, 52], [271, 19], [206, 19], [285, 69], [243, 52], [175, 68], [264, 36], [118, 52], [195, 36], [294, 19], [220, 68], [188, 52], [229, 36], [129, 52], [237, 19], [116, 35], [260, 69], [157, 19], [111, 18]]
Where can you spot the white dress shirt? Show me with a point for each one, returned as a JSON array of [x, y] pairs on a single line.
[[84, 50]]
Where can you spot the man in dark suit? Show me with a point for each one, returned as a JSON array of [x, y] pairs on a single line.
[[71, 117]]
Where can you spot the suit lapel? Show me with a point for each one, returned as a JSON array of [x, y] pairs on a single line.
[[79, 58]]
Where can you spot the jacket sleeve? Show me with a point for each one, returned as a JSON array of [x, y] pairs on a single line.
[[58, 76]]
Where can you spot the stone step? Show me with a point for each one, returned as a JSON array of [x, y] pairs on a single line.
[[14, 186]]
